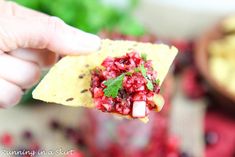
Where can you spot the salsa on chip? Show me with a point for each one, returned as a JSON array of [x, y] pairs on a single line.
[[123, 77]]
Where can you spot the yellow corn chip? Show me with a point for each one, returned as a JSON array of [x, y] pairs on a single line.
[[68, 82]]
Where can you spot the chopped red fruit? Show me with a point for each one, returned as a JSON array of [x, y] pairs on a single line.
[[191, 84], [6, 140], [125, 85]]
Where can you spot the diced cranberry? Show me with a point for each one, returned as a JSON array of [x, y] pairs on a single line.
[[126, 110], [134, 83], [108, 107], [134, 93], [109, 74], [98, 92], [28, 135], [6, 140], [139, 96], [108, 62], [119, 107], [55, 124]]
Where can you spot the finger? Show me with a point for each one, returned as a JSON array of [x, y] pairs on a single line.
[[22, 73], [45, 33], [12, 9], [44, 58], [10, 94]]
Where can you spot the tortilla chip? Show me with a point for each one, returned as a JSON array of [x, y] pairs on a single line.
[[68, 82]]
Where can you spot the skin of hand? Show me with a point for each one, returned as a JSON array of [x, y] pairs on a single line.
[[30, 41]]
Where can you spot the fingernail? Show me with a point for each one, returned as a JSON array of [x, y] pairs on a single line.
[[91, 41], [86, 42]]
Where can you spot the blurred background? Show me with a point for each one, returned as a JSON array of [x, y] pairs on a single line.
[[198, 117]]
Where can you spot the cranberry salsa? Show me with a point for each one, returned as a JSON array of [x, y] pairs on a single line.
[[125, 85]]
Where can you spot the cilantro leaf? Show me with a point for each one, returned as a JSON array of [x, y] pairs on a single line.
[[144, 73], [113, 86], [143, 70], [149, 84], [157, 81], [144, 56], [128, 73], [136, 70]]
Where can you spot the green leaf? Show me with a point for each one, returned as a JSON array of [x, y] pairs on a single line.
[[129, 73], [157, 81], [113, 86], [144, 73], [149, 84], [143, 70], [144, 56], [136, 70]]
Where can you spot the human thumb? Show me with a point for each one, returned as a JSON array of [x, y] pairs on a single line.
[[45, 33]]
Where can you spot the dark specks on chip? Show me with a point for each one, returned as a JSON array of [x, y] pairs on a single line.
[[81, 76], [69, 99], [87, 65], [84, 90]]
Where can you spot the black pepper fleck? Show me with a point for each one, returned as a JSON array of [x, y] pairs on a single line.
[[84, 90], [81, 76], [69, 99], [87, 65]]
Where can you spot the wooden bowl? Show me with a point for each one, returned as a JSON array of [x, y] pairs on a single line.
[[219, 93]]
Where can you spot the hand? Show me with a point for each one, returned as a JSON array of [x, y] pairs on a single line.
[[27, 42]]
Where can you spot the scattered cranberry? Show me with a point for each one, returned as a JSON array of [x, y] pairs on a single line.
[[55, 125], [6, 140], [211, 138], [70, 132], [27, 135], [76, 153], [191, 84]]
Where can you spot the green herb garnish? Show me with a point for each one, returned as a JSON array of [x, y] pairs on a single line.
[[149, 84], [137, 70], [144, 56], [144, 73], [113, 86], [128, 73], [157, 81]]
